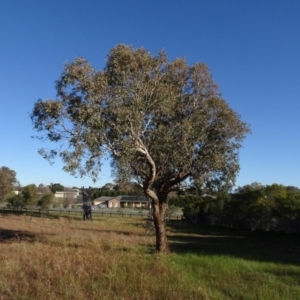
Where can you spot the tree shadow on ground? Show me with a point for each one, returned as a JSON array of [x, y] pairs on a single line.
[[28, 213], [115, 231], [258, 246], [7, 236]]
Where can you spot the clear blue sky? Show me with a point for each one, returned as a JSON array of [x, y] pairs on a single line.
[[251, 46]]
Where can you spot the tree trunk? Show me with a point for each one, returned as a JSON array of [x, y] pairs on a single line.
[[159, 210]]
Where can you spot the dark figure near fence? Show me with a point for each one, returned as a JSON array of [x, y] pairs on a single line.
[[87, 212], [87, 206]]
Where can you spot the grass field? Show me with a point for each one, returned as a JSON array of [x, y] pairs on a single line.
[[111, 258]]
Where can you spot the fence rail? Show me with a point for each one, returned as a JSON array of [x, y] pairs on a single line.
[[69, 212]]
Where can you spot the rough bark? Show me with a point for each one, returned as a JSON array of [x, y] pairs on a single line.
[[159, 210]]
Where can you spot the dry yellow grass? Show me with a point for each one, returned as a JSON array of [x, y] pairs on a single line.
[[69, 259], [111, 258]]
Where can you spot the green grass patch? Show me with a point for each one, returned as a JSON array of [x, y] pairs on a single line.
[[225, 277]]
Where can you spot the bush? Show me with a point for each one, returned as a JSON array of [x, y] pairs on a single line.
[[16, 201], [46, 201]]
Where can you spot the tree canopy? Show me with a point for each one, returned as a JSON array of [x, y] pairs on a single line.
[[159, 120], [56, 187]]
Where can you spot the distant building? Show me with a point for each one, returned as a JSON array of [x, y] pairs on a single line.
[[104, 201], [122, 201], [73, 194]]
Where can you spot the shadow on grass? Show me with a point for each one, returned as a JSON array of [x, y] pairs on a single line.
[[258, 246], [115, 231], [7, 236], [28, 213]]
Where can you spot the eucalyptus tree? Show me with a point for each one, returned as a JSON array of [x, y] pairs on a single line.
[[162, 121]]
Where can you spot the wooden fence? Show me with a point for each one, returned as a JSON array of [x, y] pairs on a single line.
[[70, 212]]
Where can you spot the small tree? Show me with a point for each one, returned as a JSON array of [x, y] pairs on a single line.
[[7, 182], [30, 195], [45, 201], [16, 201], [161, 121]]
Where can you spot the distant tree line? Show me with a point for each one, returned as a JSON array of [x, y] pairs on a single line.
[[255, 207], [114, 190], [99, 192], [31, 196], [42, 196]]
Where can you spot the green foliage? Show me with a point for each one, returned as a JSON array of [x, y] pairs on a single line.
[[46, 201], [7, 182], [254, 206], [16, 201], [203, 207], [288, 207], [266, 201], [56, 187], [30, 194], [170, 212], [249, 202], [96, 193], [181, 201], [160, 121], [156, 118]]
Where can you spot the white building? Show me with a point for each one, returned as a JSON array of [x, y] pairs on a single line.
[[68, 194]]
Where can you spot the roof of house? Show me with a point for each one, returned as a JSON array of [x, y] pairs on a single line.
[[133, 198], [123, 198], [104, 198]]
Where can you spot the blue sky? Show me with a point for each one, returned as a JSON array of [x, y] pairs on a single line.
[[251, 46]]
